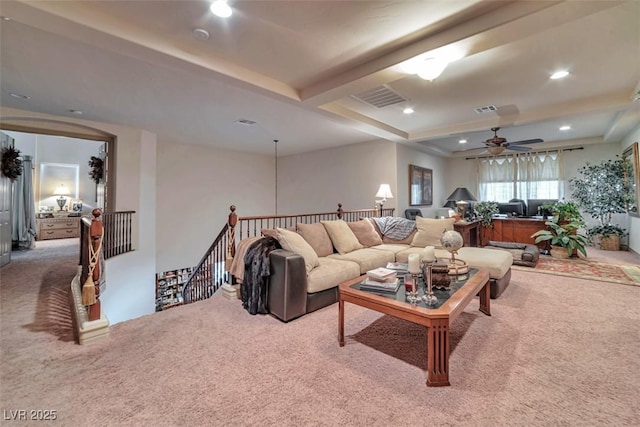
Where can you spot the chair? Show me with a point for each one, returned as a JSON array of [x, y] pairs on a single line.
[[412, 213], [523, 203]]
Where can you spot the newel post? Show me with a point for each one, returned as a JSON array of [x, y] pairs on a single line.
[[91, 288], [340, 211], [231, 247]]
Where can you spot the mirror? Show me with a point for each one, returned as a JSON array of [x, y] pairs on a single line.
[[58, 184], [632, 178]]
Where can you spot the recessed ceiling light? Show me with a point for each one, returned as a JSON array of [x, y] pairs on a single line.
[[78, 112], [221, 8], [4, 18], [408, 110], [462, 141], [201, 34], [20, 96], [565, 127], [559, 74]]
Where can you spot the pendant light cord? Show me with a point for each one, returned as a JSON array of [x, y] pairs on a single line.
[[276, 173]]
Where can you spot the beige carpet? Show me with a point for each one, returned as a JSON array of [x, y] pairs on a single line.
[[557, 351]]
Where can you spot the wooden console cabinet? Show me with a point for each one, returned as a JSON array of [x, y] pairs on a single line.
[[58, 228], [517, 230]]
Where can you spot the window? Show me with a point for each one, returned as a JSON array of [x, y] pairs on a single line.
[[521, 176]]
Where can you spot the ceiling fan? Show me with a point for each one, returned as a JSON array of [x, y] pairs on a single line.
[[496, 145]]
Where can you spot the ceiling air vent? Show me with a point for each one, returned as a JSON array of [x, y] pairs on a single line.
[[245, 122], [485, 109], [381, 96]]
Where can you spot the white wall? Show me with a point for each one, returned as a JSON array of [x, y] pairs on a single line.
[[195, 187], [318, 181], [633, 224], [441, 187]]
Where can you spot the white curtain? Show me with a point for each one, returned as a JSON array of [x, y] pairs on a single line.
[[23, 210], [540, 176], [496, 178], [522, 176]]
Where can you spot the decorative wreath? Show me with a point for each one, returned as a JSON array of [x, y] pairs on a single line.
[[97, 169], [11, 163]]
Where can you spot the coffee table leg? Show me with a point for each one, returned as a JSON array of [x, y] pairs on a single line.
[[438, 353], [485, 299], [341, 322]]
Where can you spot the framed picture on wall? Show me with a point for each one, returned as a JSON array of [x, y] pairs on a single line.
[[76, 206], [420, 186]]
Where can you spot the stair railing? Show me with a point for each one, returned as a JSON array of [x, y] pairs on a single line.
[[213, 269]]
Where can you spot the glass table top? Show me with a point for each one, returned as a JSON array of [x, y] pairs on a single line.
[[442, 295]]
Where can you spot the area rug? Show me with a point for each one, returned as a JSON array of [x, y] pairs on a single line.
[[586, 269]]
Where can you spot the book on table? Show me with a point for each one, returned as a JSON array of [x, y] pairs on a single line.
[[399, 267], [381, 273], [378, 286]]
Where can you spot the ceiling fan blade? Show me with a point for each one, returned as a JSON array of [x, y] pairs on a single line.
[[518, 148], [527, 141]]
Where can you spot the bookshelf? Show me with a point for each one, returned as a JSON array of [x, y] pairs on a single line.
[[169, 287]]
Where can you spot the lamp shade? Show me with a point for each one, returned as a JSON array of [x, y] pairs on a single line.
[[385, 192], [61, 190], [460, 193]]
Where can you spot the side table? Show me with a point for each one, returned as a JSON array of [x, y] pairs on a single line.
[[470, 231]]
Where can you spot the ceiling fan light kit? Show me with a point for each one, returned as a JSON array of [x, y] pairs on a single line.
[[496, 144]]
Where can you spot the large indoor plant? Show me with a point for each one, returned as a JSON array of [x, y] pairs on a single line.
[[565, 239], [600, 191]]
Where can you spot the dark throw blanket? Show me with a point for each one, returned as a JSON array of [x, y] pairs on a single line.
[[256, 275]]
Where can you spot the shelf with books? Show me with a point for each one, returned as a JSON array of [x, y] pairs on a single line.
[[169, 287]]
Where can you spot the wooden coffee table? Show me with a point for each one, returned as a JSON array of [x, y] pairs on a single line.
[[437, 320]]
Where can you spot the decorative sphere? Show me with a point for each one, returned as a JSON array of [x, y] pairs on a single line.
[[451, 240]]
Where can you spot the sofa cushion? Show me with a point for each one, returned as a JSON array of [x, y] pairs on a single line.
[[390, 247], [316, 235], [497, 262], [367, 258], [341, 236], [430, 230], [365, 233], [293, 242], [330, 273]]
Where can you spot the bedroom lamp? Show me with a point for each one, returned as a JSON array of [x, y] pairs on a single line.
[[61, 191], [460, 198], [385, 193]]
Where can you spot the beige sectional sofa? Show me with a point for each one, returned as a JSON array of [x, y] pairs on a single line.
[[316, 258]]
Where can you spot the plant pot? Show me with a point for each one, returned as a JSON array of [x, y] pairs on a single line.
[[610, 243], [559, 252]]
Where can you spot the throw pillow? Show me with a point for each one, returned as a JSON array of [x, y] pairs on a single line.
[[293, 242], [341, 236], [365, 233], [316, 235], [430, 230]]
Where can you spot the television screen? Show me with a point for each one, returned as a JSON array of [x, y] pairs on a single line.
[[534, 207]]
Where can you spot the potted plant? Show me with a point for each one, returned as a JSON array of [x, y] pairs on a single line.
[[601, 192], [606, 237], [485, 212], [564, 238], [564, 211]]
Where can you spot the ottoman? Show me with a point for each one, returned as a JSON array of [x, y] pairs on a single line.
[[523, 253], [498, 263]]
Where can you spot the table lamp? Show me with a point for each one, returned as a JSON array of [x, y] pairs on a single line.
[[385, 193], [460, 198], [61, 191]]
